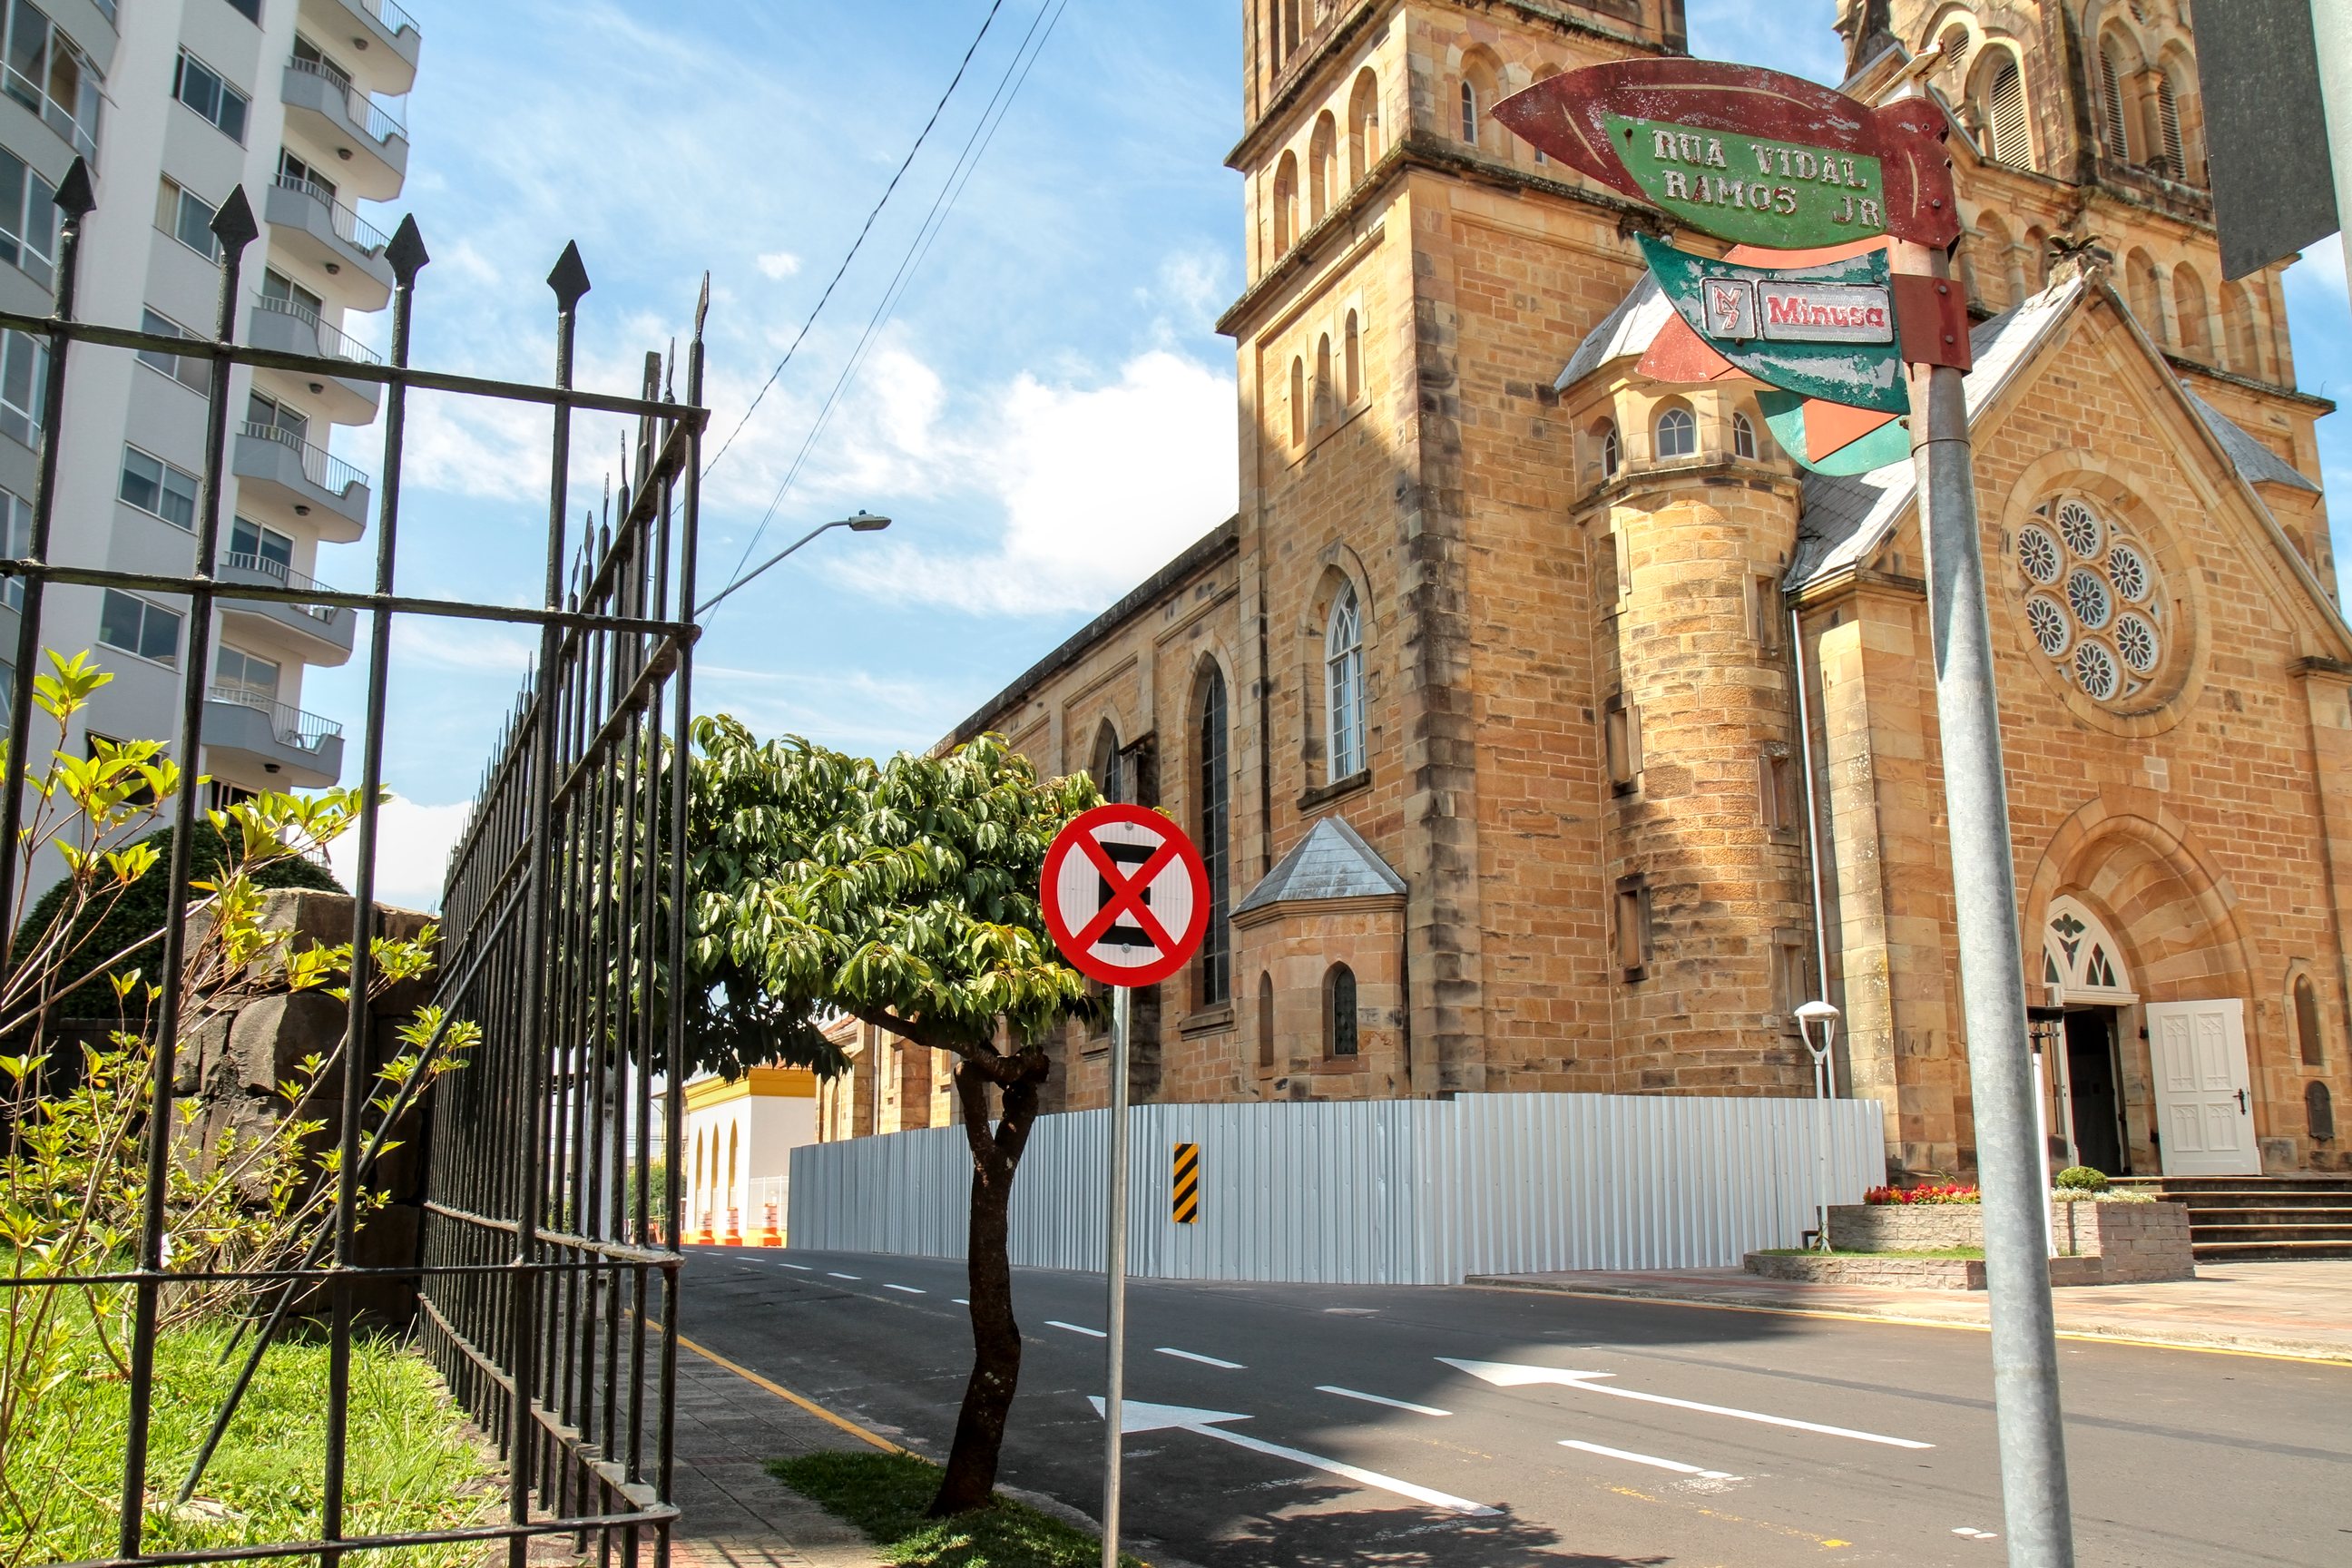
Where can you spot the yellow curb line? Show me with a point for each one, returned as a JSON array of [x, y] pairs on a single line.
[[814, 1408], [2334, 1361]]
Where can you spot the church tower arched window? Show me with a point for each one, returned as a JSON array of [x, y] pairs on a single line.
[[1343, 685]]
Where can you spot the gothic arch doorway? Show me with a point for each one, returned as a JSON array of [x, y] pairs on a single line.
[[2085, 972]]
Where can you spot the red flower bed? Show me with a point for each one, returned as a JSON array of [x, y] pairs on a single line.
[[1949, 1193]]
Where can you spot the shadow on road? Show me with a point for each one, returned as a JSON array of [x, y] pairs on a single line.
[[1406, 1538]]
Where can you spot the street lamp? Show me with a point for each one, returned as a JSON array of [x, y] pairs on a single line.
[[863, 522], [1820, 1019]]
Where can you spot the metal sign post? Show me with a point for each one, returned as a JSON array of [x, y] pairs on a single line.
[[1126, 898], [1762, 158]]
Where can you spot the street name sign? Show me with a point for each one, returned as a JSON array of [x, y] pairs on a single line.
[[1826, 331], [1126, 895], [1748, 154]]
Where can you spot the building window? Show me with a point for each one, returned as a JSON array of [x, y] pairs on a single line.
[[1322, 167], [1298, 401], [1613, 454], [2007, 134], [1352, 351], [1214, 822], [1363, 125], [1286, 205], [23, 385], [134, 625], [2307, 1022], [2111, 104], [1324, 415], [1791, 975], [155, 486], [1743, 437], [46, 74], [1339, 1012], [1764, 604], [15, 543], [1109, 776], [249, 10], [2093, 600], [1783, 810], [261, 549], [195, 375], [185, 216], [203, 89], [1265, 1021], [2319, 1113], [246, 674], [1620, 729], [272, 415], [1470, 113], [29, 220], [1632, 928], [2167, 124], [1677, 433], [1343, 684]]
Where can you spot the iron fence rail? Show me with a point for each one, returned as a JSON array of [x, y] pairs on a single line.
[[542, 1274]]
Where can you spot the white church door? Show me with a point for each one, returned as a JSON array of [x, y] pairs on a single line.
[[2204, 1101]]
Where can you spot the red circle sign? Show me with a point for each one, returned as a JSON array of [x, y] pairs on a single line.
[[1126, 895]]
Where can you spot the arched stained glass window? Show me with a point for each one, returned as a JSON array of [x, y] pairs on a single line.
[[1343, 684], [1212, 824], [1339, 1012]]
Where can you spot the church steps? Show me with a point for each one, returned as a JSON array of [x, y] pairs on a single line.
[[2247, 1218]]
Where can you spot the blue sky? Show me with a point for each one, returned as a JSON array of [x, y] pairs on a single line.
[[1047, 411]]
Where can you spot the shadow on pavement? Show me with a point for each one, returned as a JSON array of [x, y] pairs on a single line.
[[1405, 1538]]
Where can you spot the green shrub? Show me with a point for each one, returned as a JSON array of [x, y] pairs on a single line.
[[886, 1494], [2082, 1179]]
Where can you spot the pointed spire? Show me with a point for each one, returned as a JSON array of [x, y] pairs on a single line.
[[76, 197], [702, 305], [406, 252], [569, 278], [234, 225]]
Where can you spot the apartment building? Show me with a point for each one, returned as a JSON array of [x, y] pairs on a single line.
[[174, 103]]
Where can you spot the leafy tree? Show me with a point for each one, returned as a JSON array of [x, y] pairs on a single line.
[[904, 894]]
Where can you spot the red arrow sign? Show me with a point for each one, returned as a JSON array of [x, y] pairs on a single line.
[[1126, 895], [1748, 153]]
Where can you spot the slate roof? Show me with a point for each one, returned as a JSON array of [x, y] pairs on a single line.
[[1627, 329], [2258, 463], [1331, 862]]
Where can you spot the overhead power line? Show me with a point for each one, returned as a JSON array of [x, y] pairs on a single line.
[[991, 117], [859, 242]]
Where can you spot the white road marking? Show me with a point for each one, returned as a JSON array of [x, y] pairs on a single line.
[[1136, 1416], [1204, 1359], [1381, 1399], [831, 1274], [962, 1301], [1505, 1375], [909, 1289], [802, 1267], [1673, 1465], [1973, 1534], [1090, 1334]]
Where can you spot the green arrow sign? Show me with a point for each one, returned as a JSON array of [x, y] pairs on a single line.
[[1826, 331], [1752, 189]]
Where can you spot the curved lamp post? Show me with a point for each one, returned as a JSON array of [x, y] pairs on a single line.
[[863, 522], [1819, 1022]]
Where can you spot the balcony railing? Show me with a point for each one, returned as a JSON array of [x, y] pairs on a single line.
[[82, 138], [304, 732], [350, 227], [240, 562], [379, 121], [332, 341], [320, 466], [393, 18]]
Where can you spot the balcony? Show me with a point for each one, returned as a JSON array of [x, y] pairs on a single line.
[[384, 37], [367, 139], [294, 329], [312, 225], [322, 634], [276, 470], [251, 734]]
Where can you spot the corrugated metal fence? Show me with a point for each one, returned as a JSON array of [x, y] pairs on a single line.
[[1372, 1191]]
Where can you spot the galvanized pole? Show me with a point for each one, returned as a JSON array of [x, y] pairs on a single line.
[[1115, 1268], [2331, 29], [1992, 976]]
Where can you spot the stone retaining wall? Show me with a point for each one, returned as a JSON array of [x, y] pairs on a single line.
[[2135, 1243], [1895, 1227]]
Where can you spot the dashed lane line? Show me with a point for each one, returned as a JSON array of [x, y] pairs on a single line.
[[1204, 1359], [830, 1274], [909, 1289], [1380, 1399], [1076, 1329], [1651, 1459]]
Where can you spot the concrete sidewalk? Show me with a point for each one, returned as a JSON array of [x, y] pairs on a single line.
[[735, 1514], [2301, 1309]]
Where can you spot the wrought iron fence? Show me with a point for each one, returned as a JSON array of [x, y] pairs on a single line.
[[543, 1280]]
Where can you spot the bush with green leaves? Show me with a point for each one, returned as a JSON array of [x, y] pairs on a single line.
[[2082, 1179]]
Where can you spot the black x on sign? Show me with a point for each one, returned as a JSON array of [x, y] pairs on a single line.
[[1126, 895]]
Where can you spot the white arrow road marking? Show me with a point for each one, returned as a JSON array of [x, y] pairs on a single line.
[[1136, 1415], [1381, 1399], [1204, 1359], [1076, 1329], [909, 1289], [1673, 1465], [1505, 1375]]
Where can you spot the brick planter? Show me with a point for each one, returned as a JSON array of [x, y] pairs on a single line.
[[2133, 1243], [1892, 1227], [1891, 1272]]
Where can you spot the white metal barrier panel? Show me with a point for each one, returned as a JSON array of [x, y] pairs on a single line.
[[1372, 1191]]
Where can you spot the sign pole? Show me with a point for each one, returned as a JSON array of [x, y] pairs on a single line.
[[1115, 1267], [1992, 979], [2331, 26]]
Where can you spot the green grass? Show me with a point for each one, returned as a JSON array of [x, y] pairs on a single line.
[[1975, 1252], [411, 1464], [885, 1495]]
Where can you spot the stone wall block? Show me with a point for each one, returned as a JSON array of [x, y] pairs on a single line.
[[272, 1035]]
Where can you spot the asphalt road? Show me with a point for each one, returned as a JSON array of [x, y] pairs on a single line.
[[1346, 1429]]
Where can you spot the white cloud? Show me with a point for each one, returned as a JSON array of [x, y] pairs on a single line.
[[475, 648], [779, 264], [412, 851], [1099, 486]]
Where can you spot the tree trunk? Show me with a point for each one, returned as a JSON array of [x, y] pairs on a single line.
[[971, 1479]]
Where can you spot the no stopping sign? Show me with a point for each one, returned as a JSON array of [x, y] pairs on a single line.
[[1126, 895]]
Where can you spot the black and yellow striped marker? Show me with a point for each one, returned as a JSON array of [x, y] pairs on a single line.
[[1186, 1207]]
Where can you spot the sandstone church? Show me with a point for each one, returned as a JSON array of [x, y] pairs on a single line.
[[1547, 729]]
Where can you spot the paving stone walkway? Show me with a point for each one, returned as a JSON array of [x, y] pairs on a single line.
[[734, 1514], [2302, 1308]]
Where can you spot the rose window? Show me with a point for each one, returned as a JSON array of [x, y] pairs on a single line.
[[2093, 601]]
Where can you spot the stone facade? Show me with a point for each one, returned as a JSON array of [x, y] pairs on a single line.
[[1529, 633]]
